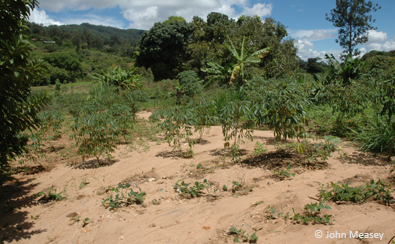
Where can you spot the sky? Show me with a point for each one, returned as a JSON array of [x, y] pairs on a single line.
[[305, 19]]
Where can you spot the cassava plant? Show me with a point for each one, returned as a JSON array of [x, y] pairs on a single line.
[[204, 116], [95, 132], [123, 117], [283, 108], [51, 122], [178, 125], [236, 124]]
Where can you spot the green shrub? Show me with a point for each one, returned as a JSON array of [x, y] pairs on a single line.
[[190, 83]]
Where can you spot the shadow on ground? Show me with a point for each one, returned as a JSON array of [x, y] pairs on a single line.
[[16, 225], [93, 164]]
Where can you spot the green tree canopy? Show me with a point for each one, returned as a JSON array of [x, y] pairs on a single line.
[[174, 19], [353, 19], [18, 107], [163, 48]]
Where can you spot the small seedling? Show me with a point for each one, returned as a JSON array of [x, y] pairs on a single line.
[[196, 190], [83, 183], [286, 216], [242, 236], [85, 222], [270, 211], [282, 174], [51, 195], [240, 187], [192, 191], [124, 196], [312, 214], [189, 153], [259, 149], [34, 217], [257, 203]]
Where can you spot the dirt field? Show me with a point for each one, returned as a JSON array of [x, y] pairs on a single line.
[[167, 217]]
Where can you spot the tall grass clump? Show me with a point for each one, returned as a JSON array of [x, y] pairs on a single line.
[[378, 135]]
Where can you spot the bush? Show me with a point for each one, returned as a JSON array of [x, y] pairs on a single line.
[[190, 83]]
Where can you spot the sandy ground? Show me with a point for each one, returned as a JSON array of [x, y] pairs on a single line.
[[167, 217]]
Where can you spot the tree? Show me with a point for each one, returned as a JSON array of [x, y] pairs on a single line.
[[353, 19], [207, 44], [163, 48], [76, 39], [88, 37], [174, 19], [313, 66], [18, 107]]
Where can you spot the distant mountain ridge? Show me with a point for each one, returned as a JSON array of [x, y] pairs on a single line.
[[104, 32]]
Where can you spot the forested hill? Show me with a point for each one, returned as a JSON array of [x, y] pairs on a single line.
[[106, 33]]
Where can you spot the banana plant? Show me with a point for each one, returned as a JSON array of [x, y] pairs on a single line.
[[351, 69], [218, 72], [244, 59], [121, 79]]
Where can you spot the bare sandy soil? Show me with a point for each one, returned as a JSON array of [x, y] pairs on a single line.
[[167, 217]]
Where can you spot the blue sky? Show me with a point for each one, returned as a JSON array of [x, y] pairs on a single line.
[[304, 19]]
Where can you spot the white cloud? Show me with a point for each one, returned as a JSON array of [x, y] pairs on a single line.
[[389, 45], [314, 35], [258, 9], [144, 13], [56, 6], [378, 40], [41, 17], [304, 40], [306, 50], [376, 36]]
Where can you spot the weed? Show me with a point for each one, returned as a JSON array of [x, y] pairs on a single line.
[[270, 211], [240, 235], [123, 197], [83, 183], [312, 214], [196, 190], [259, 149], [286, 216], [375, 191], [313, 152], [50, 195], [241, 187], [283, 174], [189, 192], [34, 217], [257, 203], [188, 153], [85, 222]]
